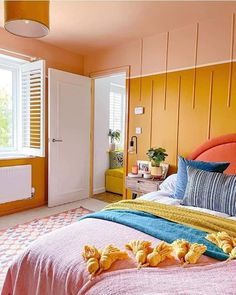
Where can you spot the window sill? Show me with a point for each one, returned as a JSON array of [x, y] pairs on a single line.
[[14, 156]]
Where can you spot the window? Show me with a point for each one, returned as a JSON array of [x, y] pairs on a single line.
[[21, 107], [7, 108], [117, 110]]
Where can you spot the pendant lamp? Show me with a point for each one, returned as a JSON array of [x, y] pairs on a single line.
[[28, 19]]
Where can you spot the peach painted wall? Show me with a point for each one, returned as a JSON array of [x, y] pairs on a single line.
[[214, 44], [55, 58]]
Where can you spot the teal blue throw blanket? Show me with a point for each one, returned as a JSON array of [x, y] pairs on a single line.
[[159, 228]]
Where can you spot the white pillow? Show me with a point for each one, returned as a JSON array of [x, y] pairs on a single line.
[[160, 197], [168, 185]]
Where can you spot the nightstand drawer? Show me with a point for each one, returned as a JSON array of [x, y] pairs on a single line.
[[141, 186], [131, 183], [144, 186]]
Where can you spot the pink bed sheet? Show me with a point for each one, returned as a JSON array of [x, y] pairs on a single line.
[[53, 265]]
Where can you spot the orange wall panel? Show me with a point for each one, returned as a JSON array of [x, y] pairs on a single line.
[[170, 117], [223, 116], [193, 116], [144, 121], [165, 116], [177, 119]]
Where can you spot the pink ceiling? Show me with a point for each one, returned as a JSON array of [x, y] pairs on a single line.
[[86, 26]]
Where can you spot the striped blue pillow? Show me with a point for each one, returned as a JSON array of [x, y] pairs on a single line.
[[182, 176], [211, 190]]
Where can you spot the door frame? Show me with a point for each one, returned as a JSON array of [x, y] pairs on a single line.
[[93, 76]]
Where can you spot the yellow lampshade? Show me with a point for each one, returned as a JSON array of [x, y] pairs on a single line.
[[27, 18]]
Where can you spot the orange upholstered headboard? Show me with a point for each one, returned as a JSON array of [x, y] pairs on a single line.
[[219, 149]]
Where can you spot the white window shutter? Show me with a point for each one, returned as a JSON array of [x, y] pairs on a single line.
[[32, 136], [116, 111]]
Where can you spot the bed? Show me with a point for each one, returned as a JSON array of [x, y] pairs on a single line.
[[53, 264]]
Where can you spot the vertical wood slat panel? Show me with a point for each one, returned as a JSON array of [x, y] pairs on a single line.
[[141, 70], [143, 121], [231, 61], [179, 128], [164, 121], [222, 117], [151, 114], [157, 104], [177, 121], [166, 66], [195, 66], [193, 122], [210, 106]]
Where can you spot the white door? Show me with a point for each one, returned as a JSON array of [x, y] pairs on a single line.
[[69, 137]]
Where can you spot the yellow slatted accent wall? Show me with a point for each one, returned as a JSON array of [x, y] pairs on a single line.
[[183, 124]]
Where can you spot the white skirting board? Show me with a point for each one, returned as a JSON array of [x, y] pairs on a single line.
[[15, 183], [99, 190]]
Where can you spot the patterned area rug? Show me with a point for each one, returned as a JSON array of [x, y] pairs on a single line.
[[14, 240]]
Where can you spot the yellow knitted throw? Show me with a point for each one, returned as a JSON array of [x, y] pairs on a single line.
[[199, 220]]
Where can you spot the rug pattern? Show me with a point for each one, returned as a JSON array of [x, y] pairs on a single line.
[[14, 240]]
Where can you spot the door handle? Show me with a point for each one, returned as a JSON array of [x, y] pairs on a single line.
[[57, 140]]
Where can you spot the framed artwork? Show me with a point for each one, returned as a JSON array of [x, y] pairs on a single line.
[[143, 166]]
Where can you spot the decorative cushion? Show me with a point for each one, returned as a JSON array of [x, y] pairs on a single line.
[[182, 176], [116, 159], [214, 191], [119, 172], [168, 185]]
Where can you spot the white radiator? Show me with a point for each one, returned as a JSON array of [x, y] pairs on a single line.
[[15, 183]]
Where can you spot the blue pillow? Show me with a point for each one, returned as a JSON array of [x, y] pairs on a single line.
[[182, 176], [209, 190]]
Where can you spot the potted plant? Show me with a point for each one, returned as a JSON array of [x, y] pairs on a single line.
[[114, 136], [156, 156]]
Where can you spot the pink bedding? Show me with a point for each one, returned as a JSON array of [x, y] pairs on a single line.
[[53, 265]]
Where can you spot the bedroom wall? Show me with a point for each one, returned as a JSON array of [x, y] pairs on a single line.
[[187, 87], [101, 128], [55, 58]]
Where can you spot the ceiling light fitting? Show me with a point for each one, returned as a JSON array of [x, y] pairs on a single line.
[[28, 19]]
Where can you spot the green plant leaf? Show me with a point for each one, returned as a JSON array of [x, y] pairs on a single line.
[[156, 155]]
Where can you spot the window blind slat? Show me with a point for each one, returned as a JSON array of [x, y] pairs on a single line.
[[116, 111], [33, 75]]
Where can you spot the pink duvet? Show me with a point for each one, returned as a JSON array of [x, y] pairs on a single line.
[[53, 265]]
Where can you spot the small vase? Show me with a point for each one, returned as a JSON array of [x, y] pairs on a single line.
[[112, 147], [156, 172]]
